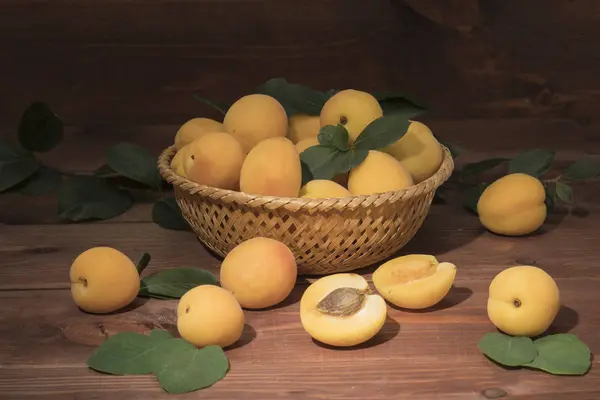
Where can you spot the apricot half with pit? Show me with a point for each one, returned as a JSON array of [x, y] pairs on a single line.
[[340, 310], [414, 281]]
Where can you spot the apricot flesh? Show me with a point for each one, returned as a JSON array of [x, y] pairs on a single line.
[[196, 128], [103, 280], [210, 315], [342, 330], [260, 272], [323, 188], [302, 126], [415, 281], [378, 173]]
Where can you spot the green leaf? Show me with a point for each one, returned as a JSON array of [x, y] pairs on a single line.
[[126, 353], [561, 354], [295, 98], [511, 351], [306, 174], [323, 162], [400, 103], [160, 334], [585, 168], [534, 162], [358, 156], [551, 197], [44, 180], [167, 214], [136, 163], [476, 168], [40, 129], [83, 198], [104, 171], [217, 105], [186, 368], [382, 132], [471, 196], [16, 165], [175, 282], [334, 136], [564, 192]]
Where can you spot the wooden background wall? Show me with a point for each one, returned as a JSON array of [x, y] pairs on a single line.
[[139, 61]]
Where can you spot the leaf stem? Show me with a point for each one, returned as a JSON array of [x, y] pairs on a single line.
[[143, 263]]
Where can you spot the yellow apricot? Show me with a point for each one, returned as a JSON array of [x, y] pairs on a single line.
[[302, 126], [194, 129], [177, 160], [414, 281], [343, 321], [306, 143], [272, 168], [378, 173], [513, 205], [210, 315], [254, 118], [214, 160], [418, 150], [103, 280], [354, 109], [260, 272], [323, 188]]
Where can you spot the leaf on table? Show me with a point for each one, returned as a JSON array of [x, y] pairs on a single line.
[[564, 192], [44, 180], [40, 129], [561, 354], [471, 196], [127, 353], [511, 351], [167, 214], [534, 162], [382, 132], [221, 107], [175, 282], [104, 171], [400, 103], [295, 98], [185, 368], [135, 162], [160, 334], [586, 168], [334, 136], [16, 165], [473, 169], [83, 198]]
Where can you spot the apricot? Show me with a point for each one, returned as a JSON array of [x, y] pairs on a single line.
[[414, 281], [177, 160], [513, 205], [419, 151], [302, 126], [194, 129], [378, 173], [272, 168], [254, 118], [306, 143], [260, 272], [354, 109], [103, 280], [323, 188], [340, 310], [210, 315], [214, 160]]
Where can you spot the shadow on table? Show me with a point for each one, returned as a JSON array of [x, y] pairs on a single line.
[[566, 320], [248, 335], [390, 330], [456, 296]]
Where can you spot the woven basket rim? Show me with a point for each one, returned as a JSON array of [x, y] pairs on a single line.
[[430, 184]]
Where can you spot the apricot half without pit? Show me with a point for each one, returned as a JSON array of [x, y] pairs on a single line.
[[340, 310], [414, 281]]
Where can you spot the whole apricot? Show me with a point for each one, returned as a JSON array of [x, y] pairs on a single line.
[[178, 160], [378, 173], [339, 310], [323, 188], [414, 281], [194, 129], [513, 205], [302, 126], [260, 272], [354, 109], [272, 168], [103, 280], [214, 160], [210, 315], [306, 143], [254, 118], [418, 150]]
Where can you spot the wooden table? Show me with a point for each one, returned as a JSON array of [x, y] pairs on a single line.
[[45, 339]]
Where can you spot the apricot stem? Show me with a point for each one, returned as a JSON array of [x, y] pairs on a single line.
[[517, 303], [143, 263]]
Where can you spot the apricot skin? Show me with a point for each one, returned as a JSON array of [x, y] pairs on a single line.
[[103, 280], [260, 272], [378, 173], [341, 331], [302, 127], [177, 160], [196, 128], [322, 188], [209, 315], [272, 168], [306, 143]]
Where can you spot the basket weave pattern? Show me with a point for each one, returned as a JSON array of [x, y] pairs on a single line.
[[326, 235]]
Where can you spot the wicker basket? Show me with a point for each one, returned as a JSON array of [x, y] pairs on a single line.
[[326, 235]]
